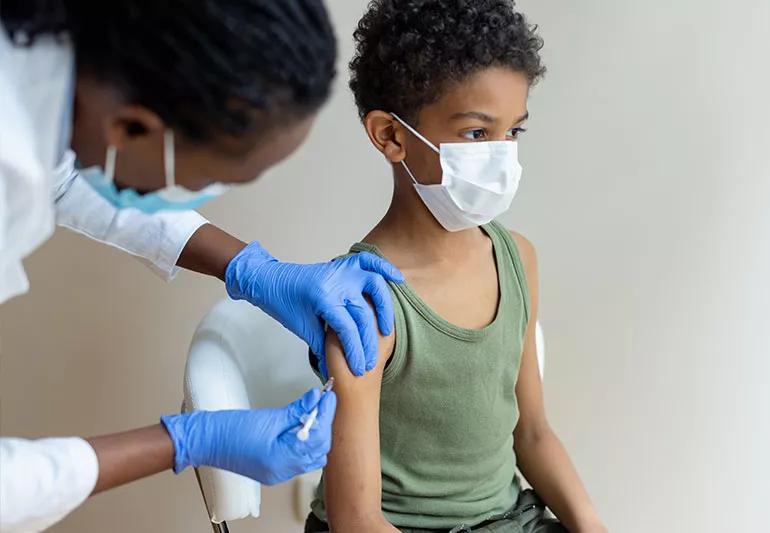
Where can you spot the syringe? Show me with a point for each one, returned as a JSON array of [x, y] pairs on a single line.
[[304, 433]]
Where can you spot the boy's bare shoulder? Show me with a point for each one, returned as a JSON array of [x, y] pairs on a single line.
[[526, 248]]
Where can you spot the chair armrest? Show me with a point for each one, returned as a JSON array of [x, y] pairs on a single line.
[[213, 382]]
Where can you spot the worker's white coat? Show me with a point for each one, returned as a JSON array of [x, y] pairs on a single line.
[[42, 481]]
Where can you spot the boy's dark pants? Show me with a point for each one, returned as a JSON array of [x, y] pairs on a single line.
[[527, 516]]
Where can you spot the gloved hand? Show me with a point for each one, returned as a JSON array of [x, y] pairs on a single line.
[[261, 444], [303, 297]]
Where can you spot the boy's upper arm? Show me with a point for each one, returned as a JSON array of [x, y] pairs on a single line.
[[352, 478], [529, 389]]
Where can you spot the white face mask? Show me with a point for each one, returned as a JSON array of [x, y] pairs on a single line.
[[478, 181]]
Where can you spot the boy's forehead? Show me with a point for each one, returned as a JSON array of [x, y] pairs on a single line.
[[499, 93]]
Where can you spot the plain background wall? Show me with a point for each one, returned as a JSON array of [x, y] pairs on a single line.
[[647, 192]]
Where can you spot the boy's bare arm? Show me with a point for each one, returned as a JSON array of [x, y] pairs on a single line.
[[352, 478], [541, 456]]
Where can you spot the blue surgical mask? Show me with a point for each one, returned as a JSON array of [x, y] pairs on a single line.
[[171, 197]]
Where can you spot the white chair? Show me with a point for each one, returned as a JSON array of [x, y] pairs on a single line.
[[240, 358]]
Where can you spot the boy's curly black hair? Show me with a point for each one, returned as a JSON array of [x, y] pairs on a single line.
[[409, 51]]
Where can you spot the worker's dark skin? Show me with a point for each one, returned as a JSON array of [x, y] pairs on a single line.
[[103, 118], [209, 251], [131, 455]]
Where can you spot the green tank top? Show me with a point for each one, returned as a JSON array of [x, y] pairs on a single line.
[[448, 406]]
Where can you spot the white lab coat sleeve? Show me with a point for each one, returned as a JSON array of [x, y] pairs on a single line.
[[42, 481], [156, 239]]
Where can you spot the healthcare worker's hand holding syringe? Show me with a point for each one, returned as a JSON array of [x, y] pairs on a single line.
[[262, 444]]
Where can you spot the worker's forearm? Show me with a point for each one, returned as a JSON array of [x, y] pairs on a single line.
[[545, 463], [126, 457], [209, 251]]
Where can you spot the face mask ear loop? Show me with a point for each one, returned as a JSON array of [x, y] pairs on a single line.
[[403, 163], [416, 133], [168, 157], [109, 164]]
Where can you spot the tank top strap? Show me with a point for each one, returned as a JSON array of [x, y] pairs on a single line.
[[516, 283]]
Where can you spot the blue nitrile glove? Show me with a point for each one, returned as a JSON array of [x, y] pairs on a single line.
[[303, 297], [261, 444]]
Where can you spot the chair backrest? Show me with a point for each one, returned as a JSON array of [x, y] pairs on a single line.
[[240, 358], [269, 360]]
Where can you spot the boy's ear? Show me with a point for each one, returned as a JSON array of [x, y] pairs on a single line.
[[386, 135]]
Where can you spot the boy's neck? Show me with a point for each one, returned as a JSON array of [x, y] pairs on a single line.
[[409, 230]]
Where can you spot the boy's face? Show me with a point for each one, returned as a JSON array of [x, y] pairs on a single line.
[[489, 106]]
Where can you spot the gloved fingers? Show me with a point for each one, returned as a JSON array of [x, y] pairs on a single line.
[[322, 368], [315, 448], [303, 406], [311, 399], [317, 465], [275, 479], [378, 291], [344, 326], [379, 265], [321, 441], [316, 337], [327, 408], [308, 460], [364, 318], [317, 342]]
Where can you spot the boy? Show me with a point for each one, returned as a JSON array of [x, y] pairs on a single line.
[[431, 438]]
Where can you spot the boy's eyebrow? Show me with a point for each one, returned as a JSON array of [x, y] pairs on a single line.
[[484, 117], [522, 118], [474, 114]]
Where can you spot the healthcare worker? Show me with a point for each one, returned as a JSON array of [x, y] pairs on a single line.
[[116, 119]]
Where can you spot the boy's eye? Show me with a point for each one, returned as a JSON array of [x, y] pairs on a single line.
[[479, 134], [475, 135]]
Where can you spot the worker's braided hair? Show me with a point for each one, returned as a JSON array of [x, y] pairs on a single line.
[[206, 67], [408, 52]]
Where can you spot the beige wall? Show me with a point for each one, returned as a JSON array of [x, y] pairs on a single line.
[[647, 192]]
